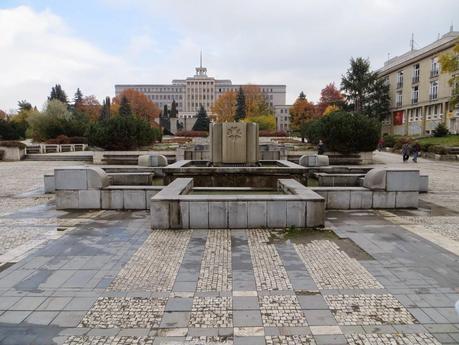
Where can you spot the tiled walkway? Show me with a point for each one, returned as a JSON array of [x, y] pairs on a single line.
[[112, 280]]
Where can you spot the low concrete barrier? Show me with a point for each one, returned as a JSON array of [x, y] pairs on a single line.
[[172, 208], [314, 161]]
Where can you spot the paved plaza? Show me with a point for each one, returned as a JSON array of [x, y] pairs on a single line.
[[105, 278]]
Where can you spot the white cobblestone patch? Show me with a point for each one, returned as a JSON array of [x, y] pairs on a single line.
[[281, 311], [125, 312], [155, 264], [208, 312], [101, 340], [12, 237], [391, 339], [350, 310], [208, 340], [270, 273], [447, 226], [216, 273], [332, 268], [290, 340]]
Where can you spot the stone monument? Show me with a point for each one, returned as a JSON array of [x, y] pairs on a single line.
[[234, 143]]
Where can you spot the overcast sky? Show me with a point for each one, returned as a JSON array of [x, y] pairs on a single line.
[[305, 44]]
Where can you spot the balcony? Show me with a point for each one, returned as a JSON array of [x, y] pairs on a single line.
[[399, 84], [434, 73], [414, 100], [433, 96], [398, 104], [415, 79]]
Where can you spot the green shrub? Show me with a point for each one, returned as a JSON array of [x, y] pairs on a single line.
[[438, 149], [400, 141], [440, 130], [345, 132], [122, 133], [390, 140], [10, 130]]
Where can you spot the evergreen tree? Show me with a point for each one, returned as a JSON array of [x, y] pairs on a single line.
[[173, 112], [240, 105], [24, 105], [202, 120], [105, 110], [78, 98], [58, 93], [125, 108], [364, 91]]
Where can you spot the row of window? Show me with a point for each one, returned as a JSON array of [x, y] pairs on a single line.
[[432, 112], [434, 72], [433, 94], [164, 97], [158, 89]]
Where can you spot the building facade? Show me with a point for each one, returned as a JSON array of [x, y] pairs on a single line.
[[419, 92], [282, 118], [191, 92]]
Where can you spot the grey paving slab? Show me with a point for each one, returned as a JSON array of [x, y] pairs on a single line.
[[312, 302], [14, 316], [247, 318], [68, 318], [330, 340], [245, 303], [28, 303], [249, 340], [41, 317], [54, 303], [319, 317], [179, 304], [80, 303], [175, 319]]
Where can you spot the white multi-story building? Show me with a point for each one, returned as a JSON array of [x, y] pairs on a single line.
[[282, 113], [189, 93]]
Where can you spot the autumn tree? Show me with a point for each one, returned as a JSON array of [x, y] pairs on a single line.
[[301, 113], [449, 63], [365, 92], [330, 96], [240, 106], [225, 107], [58, 93], [90, 106], [3, 115], [140, 105], [256, 103]]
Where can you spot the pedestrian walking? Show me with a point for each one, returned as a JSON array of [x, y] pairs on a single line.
[[406, 152], [320, 148], [415, 149], [381, 144]]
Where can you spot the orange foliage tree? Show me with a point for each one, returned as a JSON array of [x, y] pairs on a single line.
[[330, 95], [140, 104], [302, 112], [225, 107], [255, 101], [90, 106]]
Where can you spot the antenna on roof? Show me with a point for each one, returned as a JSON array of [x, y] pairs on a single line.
[[412, 42], [200, 59], [451, 27]]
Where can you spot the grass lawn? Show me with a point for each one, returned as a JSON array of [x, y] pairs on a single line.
[[450, 140]]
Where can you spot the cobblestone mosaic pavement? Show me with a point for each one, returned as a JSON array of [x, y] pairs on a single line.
[[391, 339], [211, 312], [154, 266], [216, 273], [290, 340], [446, 226], [270, 273], [100, 340], [352, 310], [125, 312], [331, 268], [281, 311]]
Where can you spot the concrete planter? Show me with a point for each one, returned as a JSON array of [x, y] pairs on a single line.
[[359, 158], [12, 153]]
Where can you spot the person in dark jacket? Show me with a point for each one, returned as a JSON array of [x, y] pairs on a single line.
[[406, 152], [320, 148], [415, 149]]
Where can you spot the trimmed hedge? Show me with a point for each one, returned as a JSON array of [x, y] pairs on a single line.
[[345, 132], [263, 133], [192, 134]]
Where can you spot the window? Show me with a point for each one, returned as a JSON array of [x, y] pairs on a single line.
[[399, 79], [415, 78], [414, 94], [435, 68], [398, 99], [433, 94]]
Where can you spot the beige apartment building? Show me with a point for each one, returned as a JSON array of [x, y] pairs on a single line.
[[419, 92]]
